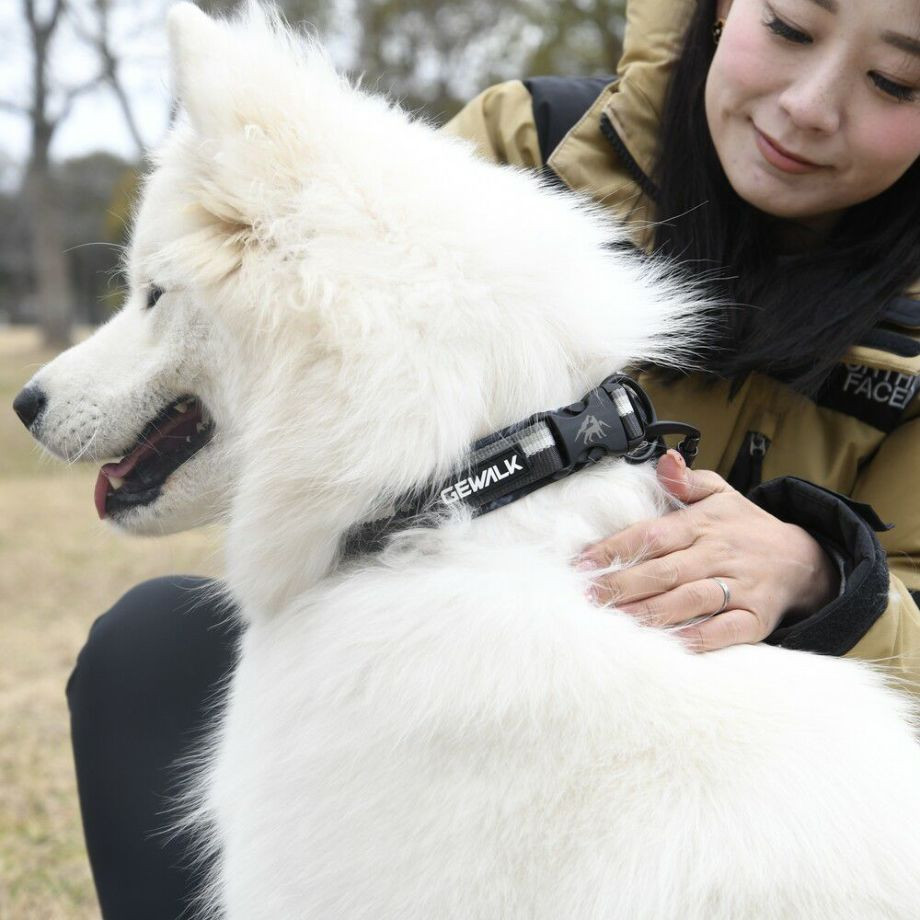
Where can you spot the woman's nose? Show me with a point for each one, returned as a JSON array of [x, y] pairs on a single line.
[[814, 99]]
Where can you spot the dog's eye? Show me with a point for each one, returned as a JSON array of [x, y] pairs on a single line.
[[154, 293]]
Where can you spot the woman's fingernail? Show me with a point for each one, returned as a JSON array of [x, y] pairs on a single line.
[[586, 564], [690, 639], [678, 458], [591, 594]]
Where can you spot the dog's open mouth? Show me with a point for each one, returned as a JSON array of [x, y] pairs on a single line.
[[166, 442]]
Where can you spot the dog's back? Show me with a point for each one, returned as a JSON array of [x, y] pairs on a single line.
[[452, 731]]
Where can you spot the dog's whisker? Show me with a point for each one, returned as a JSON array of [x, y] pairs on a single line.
[[102, 243], [86, 447]]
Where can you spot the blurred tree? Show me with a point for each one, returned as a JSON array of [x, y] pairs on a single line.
[[92, 239], [92, 21], [584, 37], [94, 236], [48, 106], [16, 280], [434, 55], [48, 261]]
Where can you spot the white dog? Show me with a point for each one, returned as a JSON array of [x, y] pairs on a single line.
[[329, 303]]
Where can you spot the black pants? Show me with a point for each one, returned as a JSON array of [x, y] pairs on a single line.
[[140, 697]]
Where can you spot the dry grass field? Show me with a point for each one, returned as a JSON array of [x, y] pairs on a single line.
[[59, 568]]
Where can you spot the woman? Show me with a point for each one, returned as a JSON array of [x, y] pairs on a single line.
[[788, 170], [787, 153]]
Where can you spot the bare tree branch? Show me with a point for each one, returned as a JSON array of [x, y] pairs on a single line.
[[6, 105], [99, 38], [52, 283], [56, 11], [126, 111], [42, 29], [74, 93], [82, 31]]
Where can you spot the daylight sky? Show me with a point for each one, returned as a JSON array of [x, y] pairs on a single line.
[[96, 122]]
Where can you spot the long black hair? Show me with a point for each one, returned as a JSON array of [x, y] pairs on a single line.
[[794, 315]]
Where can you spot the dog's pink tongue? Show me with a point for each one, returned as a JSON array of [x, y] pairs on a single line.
[[100, 492], [120, 470]]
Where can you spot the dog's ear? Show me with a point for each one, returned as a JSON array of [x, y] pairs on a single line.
[[256, 96], [225, 74], [201, 58]]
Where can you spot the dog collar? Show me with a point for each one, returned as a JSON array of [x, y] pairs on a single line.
[[616, 419]]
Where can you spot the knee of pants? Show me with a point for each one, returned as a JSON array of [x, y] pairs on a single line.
[[159, 626]]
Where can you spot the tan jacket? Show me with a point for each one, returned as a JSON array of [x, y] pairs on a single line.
[[862, 440]]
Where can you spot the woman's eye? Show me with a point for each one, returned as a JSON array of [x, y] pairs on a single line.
[[896, 90], [778, 27], [154, 293]]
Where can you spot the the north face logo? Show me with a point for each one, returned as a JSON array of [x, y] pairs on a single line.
[[888, 387], [876, 397]]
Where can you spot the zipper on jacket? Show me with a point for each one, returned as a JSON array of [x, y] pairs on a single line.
[[747, 470], [627, 159]]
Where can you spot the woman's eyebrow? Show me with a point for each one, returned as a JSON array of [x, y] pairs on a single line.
[[829, 5], [902, 42]]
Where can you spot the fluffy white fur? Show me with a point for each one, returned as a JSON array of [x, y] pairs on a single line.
[[449, 729]]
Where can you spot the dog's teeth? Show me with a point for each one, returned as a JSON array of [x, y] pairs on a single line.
[[188, 439], [116, 482], [181, 407], [201, 426]]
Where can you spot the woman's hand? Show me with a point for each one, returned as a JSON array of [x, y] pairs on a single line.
[[771, 569]]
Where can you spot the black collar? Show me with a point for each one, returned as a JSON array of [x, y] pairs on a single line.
[[615, 420]]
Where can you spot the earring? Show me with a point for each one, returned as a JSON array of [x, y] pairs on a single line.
[[717, 30]]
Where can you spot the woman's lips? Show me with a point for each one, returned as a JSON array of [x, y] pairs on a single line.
[[781, 158]]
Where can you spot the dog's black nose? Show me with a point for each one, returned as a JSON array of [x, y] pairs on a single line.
[[29, 404]]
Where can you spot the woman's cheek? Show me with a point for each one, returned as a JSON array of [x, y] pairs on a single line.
[[746, 61], [893, 138]]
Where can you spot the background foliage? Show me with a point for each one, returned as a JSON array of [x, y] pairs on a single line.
[[62, 223]]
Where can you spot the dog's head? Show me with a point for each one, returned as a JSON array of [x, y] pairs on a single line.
[[327, 302], [215, 285]]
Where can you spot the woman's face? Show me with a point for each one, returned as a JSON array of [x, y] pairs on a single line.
[[814, 105]]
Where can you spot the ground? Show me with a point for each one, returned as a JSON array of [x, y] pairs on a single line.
[[60, 567]]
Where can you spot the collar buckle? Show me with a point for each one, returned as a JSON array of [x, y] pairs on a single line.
[[606, 422], [616, 419]]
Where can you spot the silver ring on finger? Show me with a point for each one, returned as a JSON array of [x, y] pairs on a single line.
[[726, 595]]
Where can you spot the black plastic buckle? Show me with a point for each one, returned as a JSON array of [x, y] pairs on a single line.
[[617, 419], [604, 423]]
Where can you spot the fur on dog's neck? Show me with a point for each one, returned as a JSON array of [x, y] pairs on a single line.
[[352, 449], [359, 433]]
